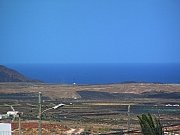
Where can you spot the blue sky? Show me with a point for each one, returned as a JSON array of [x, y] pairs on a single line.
[[89, 31]]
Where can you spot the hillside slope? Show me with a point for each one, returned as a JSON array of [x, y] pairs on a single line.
[[10, 75]]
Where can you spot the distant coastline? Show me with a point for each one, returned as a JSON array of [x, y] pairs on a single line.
[[85, 74]]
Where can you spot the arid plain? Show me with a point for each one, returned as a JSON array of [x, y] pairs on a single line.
[[92, 109]]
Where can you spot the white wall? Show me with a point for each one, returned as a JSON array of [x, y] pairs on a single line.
[[5, 129]]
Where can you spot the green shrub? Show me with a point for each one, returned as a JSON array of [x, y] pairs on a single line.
[[150, 125]]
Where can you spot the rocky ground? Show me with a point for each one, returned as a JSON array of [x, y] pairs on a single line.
[[90, 108]]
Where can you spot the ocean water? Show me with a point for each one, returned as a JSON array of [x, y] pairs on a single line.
[[100, 73]]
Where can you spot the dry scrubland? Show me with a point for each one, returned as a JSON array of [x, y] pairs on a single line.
[[91, 108], [70, 91]]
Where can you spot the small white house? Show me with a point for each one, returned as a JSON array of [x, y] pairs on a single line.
[[12, 113], [5, 129]]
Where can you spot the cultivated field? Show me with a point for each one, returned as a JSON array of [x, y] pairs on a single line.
[[91, 108]]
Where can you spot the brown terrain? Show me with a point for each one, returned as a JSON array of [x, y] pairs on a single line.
[[71, 91], [92, 109], [11, 75], [112, 91], [89, 109]]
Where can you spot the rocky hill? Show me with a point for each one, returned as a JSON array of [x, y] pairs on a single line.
[[10, 75]]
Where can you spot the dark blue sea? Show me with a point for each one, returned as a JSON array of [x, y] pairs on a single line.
[[100, 73]]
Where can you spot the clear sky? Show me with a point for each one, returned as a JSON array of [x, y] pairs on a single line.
[[89, 31]]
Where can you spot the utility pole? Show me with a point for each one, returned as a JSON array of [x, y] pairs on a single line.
[[39, 116], [19, 124], [129, 119], [41, 112]]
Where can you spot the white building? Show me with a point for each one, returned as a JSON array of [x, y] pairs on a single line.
[[5, 129]]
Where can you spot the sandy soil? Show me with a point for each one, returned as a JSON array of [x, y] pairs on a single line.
[[70, 91]]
